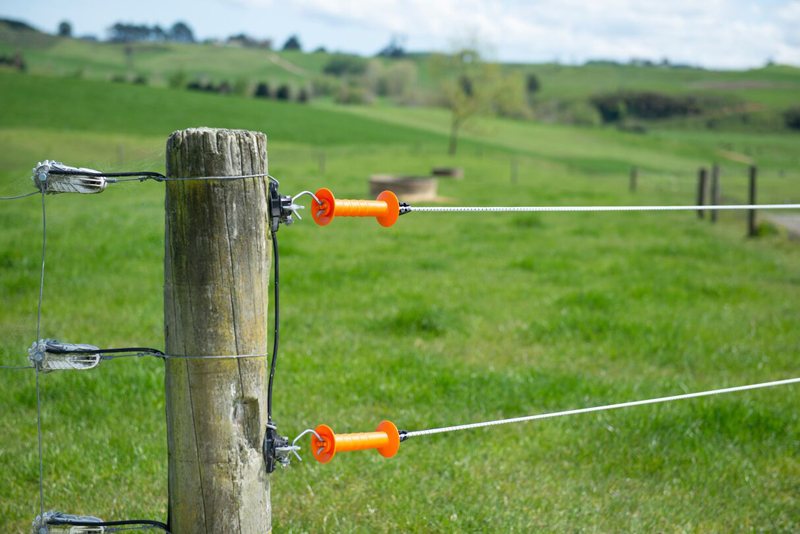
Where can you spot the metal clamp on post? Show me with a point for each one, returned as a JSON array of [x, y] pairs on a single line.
[[50, 355], [52, 177], [59, 523]]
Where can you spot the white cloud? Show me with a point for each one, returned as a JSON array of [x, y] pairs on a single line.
[[719, 33]]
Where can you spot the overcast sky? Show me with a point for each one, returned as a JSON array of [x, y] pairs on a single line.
[[711, 33]]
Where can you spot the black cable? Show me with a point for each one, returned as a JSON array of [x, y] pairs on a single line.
[[155, 352], [276, 336], [79, 523], [144, 174]]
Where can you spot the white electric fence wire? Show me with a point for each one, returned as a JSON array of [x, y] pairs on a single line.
[[600, 408], [608, 208]]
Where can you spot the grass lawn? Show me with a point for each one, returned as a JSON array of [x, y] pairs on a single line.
[[442, 319]]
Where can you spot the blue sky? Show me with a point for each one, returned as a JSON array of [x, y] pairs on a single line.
[[711, 33]]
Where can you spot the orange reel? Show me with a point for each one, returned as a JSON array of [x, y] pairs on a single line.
[[386, 209], [386, 439]]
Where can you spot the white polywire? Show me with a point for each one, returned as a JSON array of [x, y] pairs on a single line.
[[600, 408], [609, 208]]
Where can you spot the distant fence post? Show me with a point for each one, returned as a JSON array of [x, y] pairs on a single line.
[[702, 177], [752, 230], [514, 170], [634, 179], [714, 192], [216, 276], [322, 162]]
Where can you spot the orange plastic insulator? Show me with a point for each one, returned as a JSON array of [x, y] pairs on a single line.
[[386, 439], [386, 208]]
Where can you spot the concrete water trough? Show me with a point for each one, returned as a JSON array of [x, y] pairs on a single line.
[[407, 188], [456, 173]]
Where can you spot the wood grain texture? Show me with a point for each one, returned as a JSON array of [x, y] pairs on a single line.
[[216, 287]]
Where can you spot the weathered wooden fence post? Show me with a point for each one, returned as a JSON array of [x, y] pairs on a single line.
[[216, 275], [702, 176], [752, 229], [714, 192], [634, 179]]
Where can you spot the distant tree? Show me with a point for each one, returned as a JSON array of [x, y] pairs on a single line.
[[157, 33], [532, 84], [284, 92], [465, 87], [262, 90], [292, 43], [394, 49], [65, 29], [342, 65], [320, 50], [126, 33], [180, 32]]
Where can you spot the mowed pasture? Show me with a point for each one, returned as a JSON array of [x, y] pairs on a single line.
[[442, 319]]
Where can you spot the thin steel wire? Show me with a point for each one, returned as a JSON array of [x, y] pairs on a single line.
[[599, 408], [13, 367], [38, 328], [220, 357], [608, 208], [20, 196]]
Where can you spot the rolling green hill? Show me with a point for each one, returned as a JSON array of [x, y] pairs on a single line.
[[755, 97]]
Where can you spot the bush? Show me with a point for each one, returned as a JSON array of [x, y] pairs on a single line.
[[324, 86], [262, 91], [242, 87], [119, 78], [178, 79], [284, 92], [141, 79], [344, 65], [532, 84], [614, 107], [303, 96], [399, 78], [224, 88], [792, 118], [353, 94]]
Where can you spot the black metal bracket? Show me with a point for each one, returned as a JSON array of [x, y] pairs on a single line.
[[275, 448], [281, 208]]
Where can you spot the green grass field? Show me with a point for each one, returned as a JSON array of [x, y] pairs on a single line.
[[442, 319]]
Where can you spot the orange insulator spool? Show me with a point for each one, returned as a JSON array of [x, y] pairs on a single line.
[[386, 439], [386, 209]]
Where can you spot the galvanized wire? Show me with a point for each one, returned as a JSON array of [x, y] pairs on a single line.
[[470, 426], [20, 196], [38, 328], [607, 208]]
